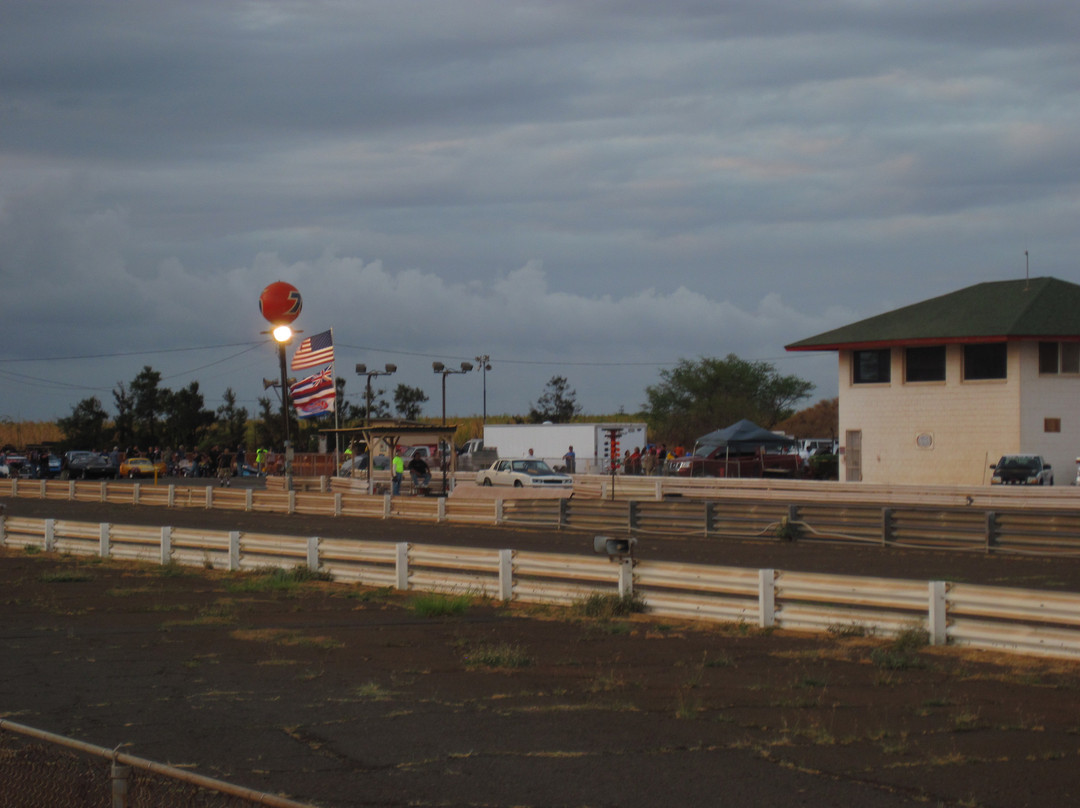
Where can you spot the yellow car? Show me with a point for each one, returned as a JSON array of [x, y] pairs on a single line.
[[141, 467]]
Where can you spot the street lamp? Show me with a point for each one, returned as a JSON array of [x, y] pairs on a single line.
[[485, 365], [439, 367], [283, 336], [361, 370]]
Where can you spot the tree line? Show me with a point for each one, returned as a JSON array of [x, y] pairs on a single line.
[[690, 399]]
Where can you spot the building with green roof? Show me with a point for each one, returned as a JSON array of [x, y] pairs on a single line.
[[938, 390]]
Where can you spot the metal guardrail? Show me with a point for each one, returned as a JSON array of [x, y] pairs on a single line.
[[999, 618], [1039, 522]]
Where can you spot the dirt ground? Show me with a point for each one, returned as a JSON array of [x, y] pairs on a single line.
[[338, 695]]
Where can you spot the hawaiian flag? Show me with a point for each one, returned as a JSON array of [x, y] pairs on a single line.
[[314, 351], [315, 395]]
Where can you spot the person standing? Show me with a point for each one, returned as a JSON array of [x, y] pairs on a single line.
[[571, 461], [397, 472], [260, 459]]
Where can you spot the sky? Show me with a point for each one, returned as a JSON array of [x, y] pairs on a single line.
[[593, 190]]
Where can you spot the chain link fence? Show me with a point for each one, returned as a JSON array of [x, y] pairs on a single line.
[[41, 769]]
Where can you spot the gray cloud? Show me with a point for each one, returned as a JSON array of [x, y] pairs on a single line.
[[590, 189]]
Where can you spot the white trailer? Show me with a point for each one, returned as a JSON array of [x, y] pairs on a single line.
[[550, 442]]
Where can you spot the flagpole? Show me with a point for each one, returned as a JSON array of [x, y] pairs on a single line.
[[337, 435]]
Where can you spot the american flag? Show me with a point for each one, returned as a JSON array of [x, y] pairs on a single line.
[[314, 351]]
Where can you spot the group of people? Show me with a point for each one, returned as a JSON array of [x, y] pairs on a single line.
[[653, 459]]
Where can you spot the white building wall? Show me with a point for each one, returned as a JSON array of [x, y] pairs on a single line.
[[964, 426], [1049, 397]]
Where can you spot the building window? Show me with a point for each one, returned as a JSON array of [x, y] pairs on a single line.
[[871, 367], [924, 364], [985, 361], [1051, 424], [1059, 357]]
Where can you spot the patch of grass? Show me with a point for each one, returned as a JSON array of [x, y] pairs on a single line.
[[501, 655], [607, 607], [687, 706], [275, 579], [847, 630], [719, 661], [373, 691], [215, 614], [277, 636], [615, 628], [903, 652], [380, 594], [439, 604], [172, 569], [31, 549], [66, 577]]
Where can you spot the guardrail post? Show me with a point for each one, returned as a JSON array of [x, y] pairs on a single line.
[[440, 510], [506, 574], [888, 526], [710, 516], [659, 491], [626, 577], [337, 503], [992, 531], [135, 493], [401, 565], [386, 500], [172, 495], [209, 497], [120, 776], [249, 500], [104, 492], [292, 501], [322, 484], [14, 486], [499, 511], [794, 529], [103, 539], [937, 617], [50, 535], [564, 512], [71, 490], [631, 514], [42, 495], [313, 553], [766, 598], [166, 545], [234, 550], [3, 526]]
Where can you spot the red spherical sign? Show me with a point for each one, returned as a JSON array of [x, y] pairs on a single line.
[[280, 303]]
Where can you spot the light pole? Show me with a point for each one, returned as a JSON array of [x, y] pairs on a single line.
[[439, 367], [485, 365], [361, 370], [283, 336]]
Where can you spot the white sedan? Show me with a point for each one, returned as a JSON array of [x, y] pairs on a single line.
[[523, 474]]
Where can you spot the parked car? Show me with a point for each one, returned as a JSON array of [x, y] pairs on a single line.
[[523, 474], [359, 463], [85, 465], [142, 467], [1022, 469]]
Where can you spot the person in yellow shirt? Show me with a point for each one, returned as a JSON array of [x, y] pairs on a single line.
[[397, 467]]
